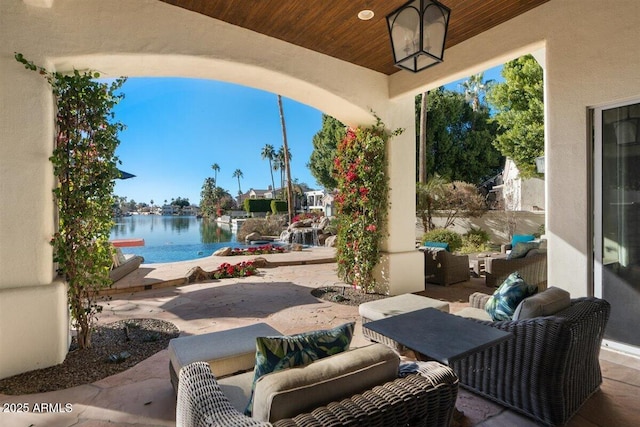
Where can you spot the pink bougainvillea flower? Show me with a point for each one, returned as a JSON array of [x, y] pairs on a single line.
[[371, 227]]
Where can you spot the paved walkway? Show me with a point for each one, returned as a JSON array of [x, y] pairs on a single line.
[[143, 396], [161, 275]]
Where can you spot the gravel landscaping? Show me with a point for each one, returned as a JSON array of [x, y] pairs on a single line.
[[116, 347], [346, 295]]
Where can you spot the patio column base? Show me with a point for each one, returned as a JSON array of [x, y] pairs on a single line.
[[35, 327], [400, 273]]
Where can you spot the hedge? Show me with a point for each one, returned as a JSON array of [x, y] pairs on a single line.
[[278, 206]]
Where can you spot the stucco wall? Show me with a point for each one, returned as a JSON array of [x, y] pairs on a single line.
[[496, 223]]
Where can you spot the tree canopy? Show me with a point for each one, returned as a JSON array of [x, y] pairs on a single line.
[[519, 106], [213, 198], [459, 139], [325, 144]]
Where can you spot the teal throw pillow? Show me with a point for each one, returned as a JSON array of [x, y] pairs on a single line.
[[504, 301], [521, 249], [517, 238], [282, 352], [442, 245]]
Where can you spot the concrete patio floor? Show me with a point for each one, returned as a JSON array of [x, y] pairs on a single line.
[[143, 396]]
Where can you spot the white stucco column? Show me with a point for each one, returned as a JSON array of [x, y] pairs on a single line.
[[34, 320], [401, 268]]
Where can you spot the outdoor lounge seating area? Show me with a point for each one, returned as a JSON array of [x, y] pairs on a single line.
[[545, 366], [364, 386], [546, 369], [281, 299]]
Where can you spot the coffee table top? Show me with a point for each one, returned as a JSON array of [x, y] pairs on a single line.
[[438, 335]]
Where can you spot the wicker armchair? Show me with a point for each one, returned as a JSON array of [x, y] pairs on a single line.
[[444, 268], [425, 398], [549, 368], [532, 268]]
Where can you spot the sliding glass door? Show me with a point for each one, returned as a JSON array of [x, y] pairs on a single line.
[[617, 221]]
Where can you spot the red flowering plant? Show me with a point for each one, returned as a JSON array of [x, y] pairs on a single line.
[[362, 202], [308, 215], [259, 250], [242, 269]]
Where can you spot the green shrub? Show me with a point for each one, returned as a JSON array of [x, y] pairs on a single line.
[[443, 235], [257, 205], [477, 236], [475, 240]]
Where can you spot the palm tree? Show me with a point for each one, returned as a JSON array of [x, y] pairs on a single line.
[[428, 194], [269, 153], [238, 174], [279, 164], [475, 89], [287, 160], [216, 169]]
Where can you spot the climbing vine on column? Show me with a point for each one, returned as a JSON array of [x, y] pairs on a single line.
[[362, 202], [85, 166]]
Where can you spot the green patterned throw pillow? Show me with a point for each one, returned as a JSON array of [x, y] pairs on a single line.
[[504, 301], [278, 353], [521, 249]]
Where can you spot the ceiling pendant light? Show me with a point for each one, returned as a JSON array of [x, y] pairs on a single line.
[[418, 32]]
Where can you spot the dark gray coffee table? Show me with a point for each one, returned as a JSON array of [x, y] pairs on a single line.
[[437, 335]]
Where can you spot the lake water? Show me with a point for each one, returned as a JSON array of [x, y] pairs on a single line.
[[173, 238]]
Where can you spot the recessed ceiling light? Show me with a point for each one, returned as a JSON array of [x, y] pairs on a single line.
[[365, 15]]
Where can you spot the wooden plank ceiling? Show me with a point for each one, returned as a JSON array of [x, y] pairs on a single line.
[[333, 28]]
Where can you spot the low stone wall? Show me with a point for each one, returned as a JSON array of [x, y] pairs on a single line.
[[493, 222]]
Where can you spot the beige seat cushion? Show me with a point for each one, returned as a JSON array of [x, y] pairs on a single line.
[[287, 393], [545, 303], [474, 313], [237, 388], [227, 352], [379, 309]]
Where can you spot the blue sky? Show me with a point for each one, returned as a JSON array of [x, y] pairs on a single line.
[[177, 128]]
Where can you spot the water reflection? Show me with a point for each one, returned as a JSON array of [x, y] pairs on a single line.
[[180, 224], [212, 232], [173, 238]]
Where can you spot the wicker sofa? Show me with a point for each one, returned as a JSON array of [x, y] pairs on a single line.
[[444, 268], [424, 397], [532, 268], [549, 368]]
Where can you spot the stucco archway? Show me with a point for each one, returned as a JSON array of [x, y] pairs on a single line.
[[148, 38]]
